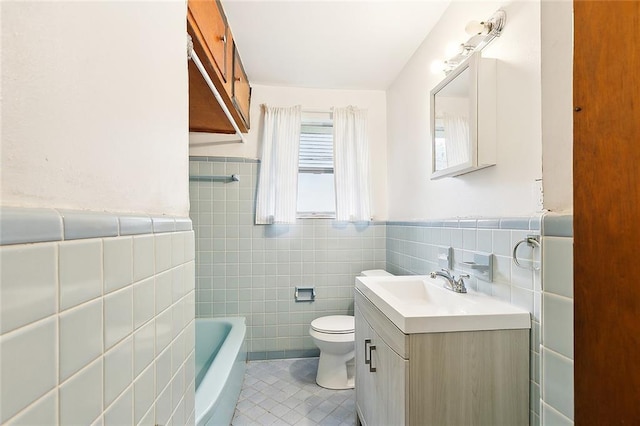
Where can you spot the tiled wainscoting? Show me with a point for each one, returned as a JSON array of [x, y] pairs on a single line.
[[557, 325], [97, 318], [252, 270]]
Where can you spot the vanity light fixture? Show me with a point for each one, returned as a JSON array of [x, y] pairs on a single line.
[[493, 26], [481, 34]]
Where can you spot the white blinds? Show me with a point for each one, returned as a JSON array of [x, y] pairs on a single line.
[[316, 148]]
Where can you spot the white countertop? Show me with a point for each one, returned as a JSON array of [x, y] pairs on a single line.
[[420, 304]]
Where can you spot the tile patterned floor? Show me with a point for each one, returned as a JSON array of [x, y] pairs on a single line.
[[284, 392]]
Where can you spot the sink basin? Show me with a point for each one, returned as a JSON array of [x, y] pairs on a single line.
[[420, 304]]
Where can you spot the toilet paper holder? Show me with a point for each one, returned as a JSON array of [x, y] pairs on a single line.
[[305, 294]]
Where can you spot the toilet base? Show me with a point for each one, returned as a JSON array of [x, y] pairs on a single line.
[[336, 371]]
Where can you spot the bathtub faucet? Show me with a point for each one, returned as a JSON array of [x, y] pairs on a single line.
[[453, 284]]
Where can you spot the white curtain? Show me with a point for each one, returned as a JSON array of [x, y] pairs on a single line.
[[278, 182], [351, 164], [456, 137]]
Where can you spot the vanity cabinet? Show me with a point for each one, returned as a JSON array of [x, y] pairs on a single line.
[[380, 372], [461, 378], [213, 43]]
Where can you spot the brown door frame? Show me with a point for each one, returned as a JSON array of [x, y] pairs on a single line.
[[606, 170]]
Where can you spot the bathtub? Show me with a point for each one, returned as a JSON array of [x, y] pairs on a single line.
[[220, 357]]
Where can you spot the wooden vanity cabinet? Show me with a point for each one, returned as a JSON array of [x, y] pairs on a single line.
[[213, 43], [456, 378]]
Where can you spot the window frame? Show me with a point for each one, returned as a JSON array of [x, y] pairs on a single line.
[[317, 119]]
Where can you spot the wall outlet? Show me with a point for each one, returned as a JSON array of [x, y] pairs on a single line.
[[537, 195]]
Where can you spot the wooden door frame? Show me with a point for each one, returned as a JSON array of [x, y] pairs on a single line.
[[606, 170]]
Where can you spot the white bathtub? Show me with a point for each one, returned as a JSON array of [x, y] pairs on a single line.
[[220, 365]]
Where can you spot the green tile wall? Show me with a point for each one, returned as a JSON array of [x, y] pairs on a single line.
[[251, 270]]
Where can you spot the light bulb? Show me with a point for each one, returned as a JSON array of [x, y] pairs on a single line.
[[475, 28], [453, 49]]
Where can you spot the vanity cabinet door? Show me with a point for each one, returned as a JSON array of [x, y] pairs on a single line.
[[365, 387], [380, 378], [390, 379]]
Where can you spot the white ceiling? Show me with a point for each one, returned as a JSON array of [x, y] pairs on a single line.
[[348, 44]]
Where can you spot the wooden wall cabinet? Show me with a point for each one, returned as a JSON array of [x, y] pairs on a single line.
[[457, 378], [213, 43]]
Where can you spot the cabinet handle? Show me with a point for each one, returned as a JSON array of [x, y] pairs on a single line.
[[223, 38], [367, 342], [372, 369]]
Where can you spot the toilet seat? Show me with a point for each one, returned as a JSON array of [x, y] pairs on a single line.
[[334, 324]]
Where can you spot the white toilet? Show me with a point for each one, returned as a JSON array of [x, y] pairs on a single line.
[[335, 337]]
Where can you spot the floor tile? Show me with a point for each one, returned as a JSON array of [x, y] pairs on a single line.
[[284, 392]]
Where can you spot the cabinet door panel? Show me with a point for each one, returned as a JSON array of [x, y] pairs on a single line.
[[365, 388], [241, 89], [390, 380], [212, 25]]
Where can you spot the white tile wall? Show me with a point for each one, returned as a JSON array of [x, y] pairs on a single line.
[[27, 270], [81, 396], [80, 337], [557, 382], [118, 370], [29, 365], [557, 332], [42, 412], [87, 324], [118, 263], [80, 272]]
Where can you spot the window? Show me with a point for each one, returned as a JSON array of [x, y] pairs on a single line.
[[316, 187], [440, 145]]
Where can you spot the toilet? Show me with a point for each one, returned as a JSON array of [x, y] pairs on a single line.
[[334, 335]]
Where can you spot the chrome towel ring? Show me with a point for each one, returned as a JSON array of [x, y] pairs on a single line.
[[532, 241]]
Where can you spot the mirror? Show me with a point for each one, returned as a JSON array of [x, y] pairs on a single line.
[[454, 120]]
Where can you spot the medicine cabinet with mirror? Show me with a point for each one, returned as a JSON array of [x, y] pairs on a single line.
[[463, 118]]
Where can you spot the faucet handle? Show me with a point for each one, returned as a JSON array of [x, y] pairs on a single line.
[[460, 287]]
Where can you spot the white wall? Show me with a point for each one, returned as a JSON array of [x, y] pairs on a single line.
[[373, 100], [505, 189], [95, 106], [557, 103]]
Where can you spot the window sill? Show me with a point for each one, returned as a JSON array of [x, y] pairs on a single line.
[[306, 215]]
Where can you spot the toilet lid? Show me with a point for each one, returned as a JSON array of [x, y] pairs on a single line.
[[334, 324]]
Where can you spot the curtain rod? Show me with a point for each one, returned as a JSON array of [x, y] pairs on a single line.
[[318, 110]]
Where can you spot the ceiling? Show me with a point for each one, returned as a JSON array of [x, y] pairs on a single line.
[[347, 44]]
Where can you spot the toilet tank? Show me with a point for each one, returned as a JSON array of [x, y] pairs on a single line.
[[375, 273]]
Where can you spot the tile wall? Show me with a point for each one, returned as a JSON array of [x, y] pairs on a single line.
[[251, 270], [97, 319], [557, 324], [412, 248]]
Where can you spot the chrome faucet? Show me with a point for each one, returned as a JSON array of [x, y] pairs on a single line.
[[453, 284]]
